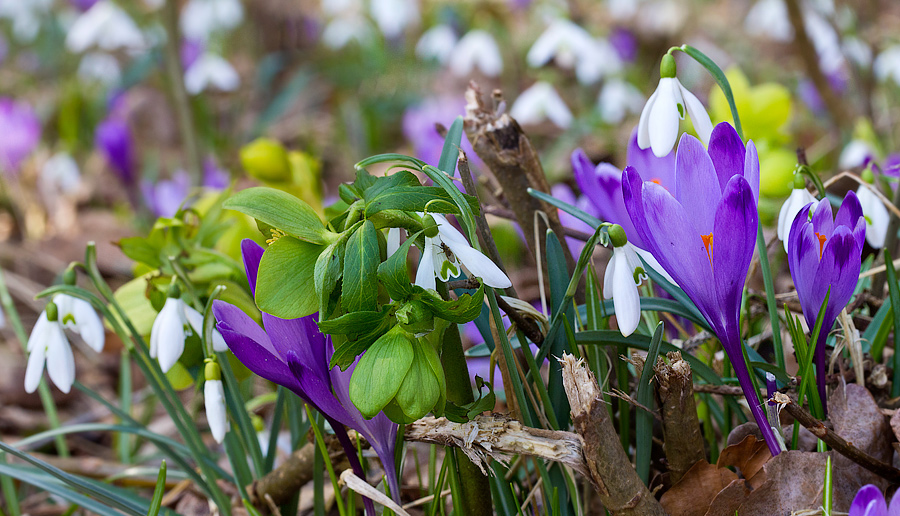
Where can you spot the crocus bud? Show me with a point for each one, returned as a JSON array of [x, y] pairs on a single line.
[[429, 226], [771, 387], [617, 235], [667, 66], [266, 159]]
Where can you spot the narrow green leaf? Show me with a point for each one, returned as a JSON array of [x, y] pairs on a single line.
[[644, 420], [720, 79], [555, 343], [875, 337], [450, 151], [280, 210], [359, 291], [894, 292], [284, 285], [158, 491]]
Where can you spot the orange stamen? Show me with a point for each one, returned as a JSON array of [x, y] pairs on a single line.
[[656, 180], [822, 239], [708, 244]]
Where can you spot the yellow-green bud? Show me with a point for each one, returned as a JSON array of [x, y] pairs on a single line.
[[266, 159], [212, 371], [617, 235], [69, 276], [799, 182], [174, 290], [667, 67], [429, 226], [52, 312], [867, 175], [258, 424]]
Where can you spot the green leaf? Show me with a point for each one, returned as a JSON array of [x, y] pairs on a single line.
[[328, 271], [140, 250], [461, 310], [401, 178], [375, 380], [413, 198], [280, 210], [644, 420], [420, 390], [894, 293], [284, 285], [393, 273], [354, 322], [360, 287], [346, 352], [158, 491], [450, 151]]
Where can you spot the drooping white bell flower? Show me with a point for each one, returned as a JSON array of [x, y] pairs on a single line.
[[341, 31], [201, 18], [48, 344], [446, 251], [887, 64], [623, 275], [856, 154], [214, 402], [795, 202], [617, 99], [874, 211], [100, 67], [437, 43], [174, 323], [106, 26], [210, 71], [59, 175], [477, 49], [393, 16], [541, 102], [25, 17], [660, 119], [769, 18], [573, 47]]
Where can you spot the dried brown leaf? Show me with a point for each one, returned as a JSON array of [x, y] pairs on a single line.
[[697, 489], [748, 456]]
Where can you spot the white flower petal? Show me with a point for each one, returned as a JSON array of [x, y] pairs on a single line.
[[425, 272], [539, 102], [664, 118], [38, 333], [608, 277], [35, 366], [477, 49], [795, 202], [60, 361], [546, 46], [480, 265], [212, 71], [437, 43], [654, 264], [644, 123], [626, 300], [876, 214], [216, 416], [617, 99], [170, 333], [201, 18], [698, 114], [106, 26], [87, 324], [393, 241], [392, 16]]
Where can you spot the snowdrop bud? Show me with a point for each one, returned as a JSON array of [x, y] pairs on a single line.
[[429, 226], [69, 276], [617, 235], [212, 371], [868, 176], [667, 66]]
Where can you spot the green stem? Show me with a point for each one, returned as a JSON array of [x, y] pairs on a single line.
[[62, 449], [179, 93], [476, 487]]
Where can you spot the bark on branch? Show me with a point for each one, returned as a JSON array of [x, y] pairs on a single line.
[[683, 442]]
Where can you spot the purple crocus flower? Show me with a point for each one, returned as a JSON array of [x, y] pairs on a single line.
[[825, 254], [213, 176], [869, 501], [113, 138], [704, 235], [165, 196], [294, 354], [625, 43], [82, 5], [21, 130], [603, 185]]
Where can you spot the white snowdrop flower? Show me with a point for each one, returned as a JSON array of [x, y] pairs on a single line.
[[623, 275], [25, 17], [769, 18], [211, 71], [477, 49], [887, 64], [48, 344], [857, 51], [100, 67], [106, 26], [437, 43], [622, 9], [341, 7], [573, 47], [393, 16], [795, 202], [341, 31], [617, 99], [214, 401], [174, 323], [59, 175], [446, 250], [601, 61], [876, 215], [855, 154], [660, 119], [540, 102], [201, 18]]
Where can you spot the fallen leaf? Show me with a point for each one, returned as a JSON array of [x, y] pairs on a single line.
[[697, 488], [748, 456], [794, 482]]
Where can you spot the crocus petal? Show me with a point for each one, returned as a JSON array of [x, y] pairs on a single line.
[[726, 150], [214, 402], [841, 265], [698, 114], [696, 185], [651, 168], [252, 254], [894, 508], [664, 118], [37, 356], [876, 216], [822, 218], [626, 301], [869, 502], [60, 361], [751, 168]]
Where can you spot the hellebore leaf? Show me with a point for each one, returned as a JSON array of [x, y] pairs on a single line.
[[284, 286], [416, 317], [375, 380], [412, 198], [328, 271], [359, 291], [280, 210], [420, 390], [354, 322], [394, 274], [386, 183], [460, 311]]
